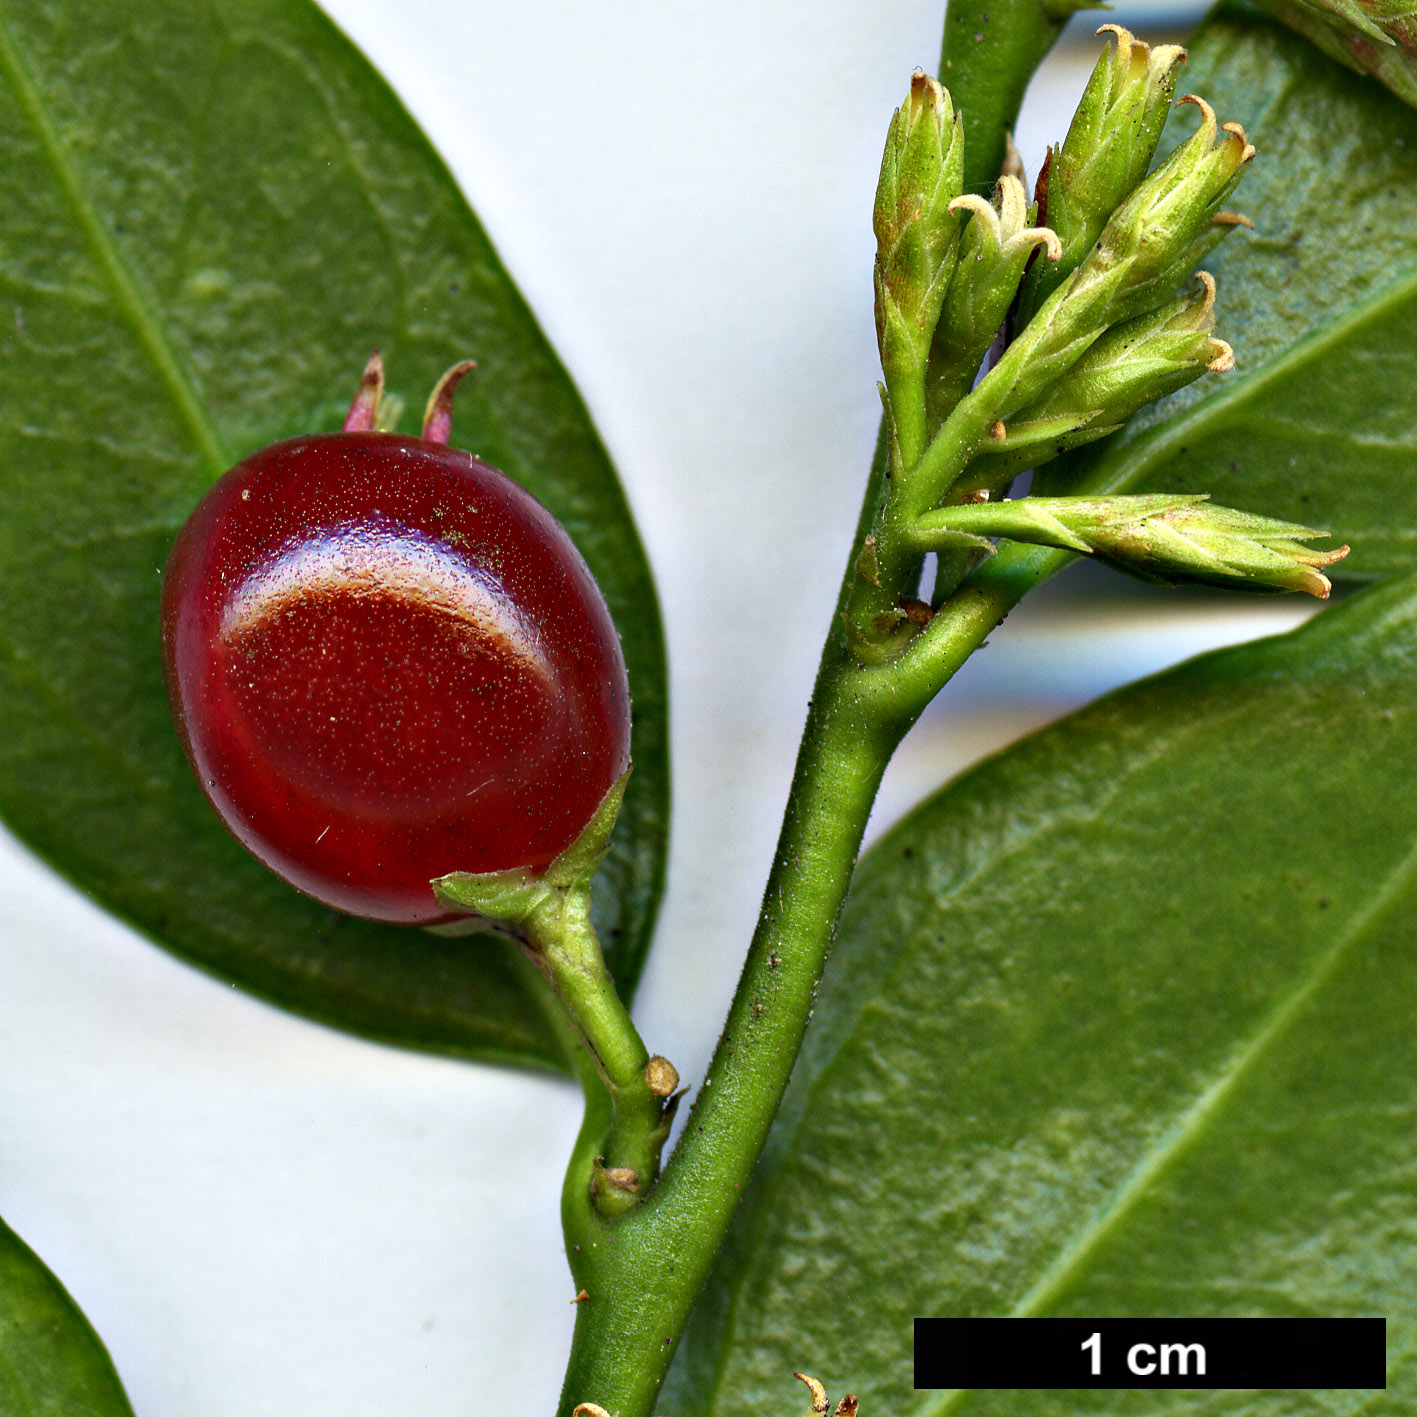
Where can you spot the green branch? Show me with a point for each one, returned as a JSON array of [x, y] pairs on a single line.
[[991, 50], [643, 1266], [631, 1093], [643, 1271]]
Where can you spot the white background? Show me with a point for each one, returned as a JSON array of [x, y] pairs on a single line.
[[266, 1219]]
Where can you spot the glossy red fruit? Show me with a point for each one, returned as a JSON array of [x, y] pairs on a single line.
[[388, 662]]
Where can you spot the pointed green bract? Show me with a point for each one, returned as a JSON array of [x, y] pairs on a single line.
[[212, 214], [1074, 1053]]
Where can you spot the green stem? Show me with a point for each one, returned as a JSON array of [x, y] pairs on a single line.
[[969, 617], [565, 938], [567, 949], [950, 451], [907, 391], [879, 587], [992, 48], [647, 1268], [576, 1200], [643, 1270]]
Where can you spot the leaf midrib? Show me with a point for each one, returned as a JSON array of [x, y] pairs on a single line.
[[141, 318], [1168, 1149]]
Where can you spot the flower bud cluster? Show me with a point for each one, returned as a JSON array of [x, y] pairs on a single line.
[[1106, 153], [1163, 538], [1084, 286], [943, 293], [1377, 37], [1150, 244]]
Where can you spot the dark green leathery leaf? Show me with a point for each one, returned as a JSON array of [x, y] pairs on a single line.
[[188, 280]]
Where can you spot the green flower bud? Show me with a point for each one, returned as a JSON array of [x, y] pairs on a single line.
[[1133, 363], [1174, 218], [1105, 154], [993, 252], [1377, 37], [916, 232], [1163, 538]]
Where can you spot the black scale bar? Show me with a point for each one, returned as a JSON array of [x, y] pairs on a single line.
[[1151, 1353]]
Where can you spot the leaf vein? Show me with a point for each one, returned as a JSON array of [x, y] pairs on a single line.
[[146, 327]]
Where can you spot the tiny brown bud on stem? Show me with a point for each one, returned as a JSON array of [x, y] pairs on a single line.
[[661, 1076]]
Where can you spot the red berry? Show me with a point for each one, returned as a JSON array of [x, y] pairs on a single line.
[[388, 662]]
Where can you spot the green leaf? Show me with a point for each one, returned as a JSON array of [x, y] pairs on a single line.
[[52, 1363], [1120, 1023], [211, 215], [1317, 424]]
